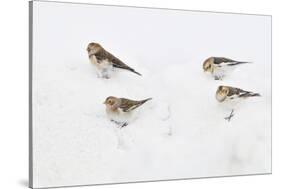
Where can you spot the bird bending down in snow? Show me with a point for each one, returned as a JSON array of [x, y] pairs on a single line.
[[119, 110], [226, 94], [220, 66], [104, 61]]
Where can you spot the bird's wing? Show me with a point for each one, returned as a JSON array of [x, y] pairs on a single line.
[[227, 61], [234, 91], [240, 93], [128, 105], [119, 64], [219, 60], [245, 94], [111, 58]]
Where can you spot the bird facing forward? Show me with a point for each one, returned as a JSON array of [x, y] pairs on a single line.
[[119, 110], [220, 66], [104, 61], [225, 94]]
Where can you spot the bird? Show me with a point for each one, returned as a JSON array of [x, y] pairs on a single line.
[[227, 95], [120, 110], [220, 66], [104, 61]]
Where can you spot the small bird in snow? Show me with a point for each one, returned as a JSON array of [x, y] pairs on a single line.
[[220, 66], [225, 94], [104, 61], [119, 110]]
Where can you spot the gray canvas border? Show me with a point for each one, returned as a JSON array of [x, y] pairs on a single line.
[[30, 79], [30, 133]]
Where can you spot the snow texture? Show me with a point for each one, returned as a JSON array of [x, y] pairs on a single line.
[[181, 132]]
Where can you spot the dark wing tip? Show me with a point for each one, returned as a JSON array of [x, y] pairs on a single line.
[[148, 99], [136, 72], [256, 94], [145, 100]]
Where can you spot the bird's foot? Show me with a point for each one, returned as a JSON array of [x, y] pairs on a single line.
[[228, 118], [124, 125], [120, 124]]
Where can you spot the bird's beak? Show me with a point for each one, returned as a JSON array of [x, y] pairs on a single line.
[[104, 102]]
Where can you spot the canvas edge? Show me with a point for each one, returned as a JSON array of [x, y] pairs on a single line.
[[152, 181], [30, 133], [155, 8], [271, 88], [30, 67]]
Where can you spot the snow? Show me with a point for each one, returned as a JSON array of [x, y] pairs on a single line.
[[181, 132]]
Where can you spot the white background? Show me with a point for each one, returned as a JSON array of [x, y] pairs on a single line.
[[14, 93]]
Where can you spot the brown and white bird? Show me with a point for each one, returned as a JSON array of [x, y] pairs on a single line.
[[119, 110], [230, 96], [104, 61], [220, 66]]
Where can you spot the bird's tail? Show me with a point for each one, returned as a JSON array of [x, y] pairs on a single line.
[[145, 100], [139, 103], [255, 94], [132, 70], [238, 62], [250, 94], [125, 67]]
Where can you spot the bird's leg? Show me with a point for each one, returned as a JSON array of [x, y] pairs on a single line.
[[106, 77], [124, 124], [217, 77], [230, 116], [105, 74], [116, 122]]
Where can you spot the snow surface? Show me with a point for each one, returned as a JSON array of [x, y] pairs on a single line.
[[181, 133]]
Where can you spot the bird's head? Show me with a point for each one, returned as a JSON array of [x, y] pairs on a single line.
[[112, 102], [93, 48], [222, 93], [208, 65]]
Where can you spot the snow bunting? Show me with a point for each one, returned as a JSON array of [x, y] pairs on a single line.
[[226, 94], [104, 61], [220, 66], [119, 110]]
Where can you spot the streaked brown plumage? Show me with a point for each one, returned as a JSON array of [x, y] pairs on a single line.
[[230, 97], [119, 109], [219, 66], [105, 61], [226, 92]]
